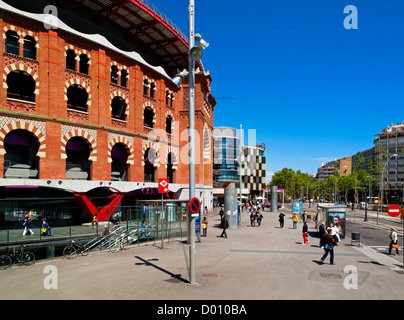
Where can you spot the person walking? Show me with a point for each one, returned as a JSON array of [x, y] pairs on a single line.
[[295, 220], [304, 215], [204, 227], [224, 225], [27, 226], [305, 231], [252, 218], [281, 219], [45, 228], [106, 231], [221, 213], [143, 227], [335, 233], [95, 221], [393, 240], [259, 218], [329, 244], [322, 232]]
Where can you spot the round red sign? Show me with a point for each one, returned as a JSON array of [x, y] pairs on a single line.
[[194, 205], [394, 210]]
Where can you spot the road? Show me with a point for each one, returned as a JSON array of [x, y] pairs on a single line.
[[374, 233]]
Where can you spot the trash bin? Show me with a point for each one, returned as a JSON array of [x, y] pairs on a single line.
[[356, 236]]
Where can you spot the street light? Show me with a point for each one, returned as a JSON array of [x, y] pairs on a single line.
[[179, 77], [195, 54], [366, 205], [382, 183]]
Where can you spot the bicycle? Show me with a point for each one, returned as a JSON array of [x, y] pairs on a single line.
[[118, 243], [26, 258], [73, 249]]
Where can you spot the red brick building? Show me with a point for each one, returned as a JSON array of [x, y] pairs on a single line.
[[88, 108]]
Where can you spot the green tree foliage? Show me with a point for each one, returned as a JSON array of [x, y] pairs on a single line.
[[302, 185]]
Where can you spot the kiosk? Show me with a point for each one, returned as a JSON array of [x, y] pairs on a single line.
[[332, 213]]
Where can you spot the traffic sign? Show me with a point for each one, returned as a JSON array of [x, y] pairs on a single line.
[[163, 185], [394, 210], [194, 206]]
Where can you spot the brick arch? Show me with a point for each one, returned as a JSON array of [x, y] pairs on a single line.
[[153, 146], [170, 114], [118, 93], [80, 82], [83, 134], [22, 33], [152, 106], [23, 125], [21, 67], [174, 152], [127, 144]]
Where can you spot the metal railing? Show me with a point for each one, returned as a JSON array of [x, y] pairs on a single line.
[[170, 224], [164, 16]]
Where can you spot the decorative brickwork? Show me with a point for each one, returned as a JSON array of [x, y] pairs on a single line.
[[86, 134], [15, 124], [113, 139]]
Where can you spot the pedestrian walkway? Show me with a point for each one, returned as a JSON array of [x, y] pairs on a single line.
[[253, 263]]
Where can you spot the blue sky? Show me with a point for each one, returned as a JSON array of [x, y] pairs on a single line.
[[312, 90]]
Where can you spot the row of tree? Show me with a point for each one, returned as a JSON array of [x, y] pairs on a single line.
[[340, 186]]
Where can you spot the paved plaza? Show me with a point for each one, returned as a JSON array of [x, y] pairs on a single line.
[[253, 263]]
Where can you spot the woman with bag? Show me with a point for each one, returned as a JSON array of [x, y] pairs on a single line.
[[204, 226], [394, 239], [329, 244]]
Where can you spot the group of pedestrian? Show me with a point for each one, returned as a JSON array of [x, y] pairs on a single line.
[[329, 238], [45, 227], [256, 217]]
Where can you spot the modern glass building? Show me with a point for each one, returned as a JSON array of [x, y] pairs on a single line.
[[226, 153]]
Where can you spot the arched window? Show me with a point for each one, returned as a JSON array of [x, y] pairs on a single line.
[[118, 107], [12, 44], [29, 50], [170, 170], [114, 74], [124, 80], [71, 60], [20, 160], [148, 116], [169, 124], [146, 86], [77, 164], [152, 89], [21, 86], [119, 167], [168, 97], [83, 67], [77, 98], [149, 169]]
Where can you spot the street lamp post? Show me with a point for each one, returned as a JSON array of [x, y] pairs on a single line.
[[191, 133], [381, 187], [240, 167], [194, 54], [366, 205]]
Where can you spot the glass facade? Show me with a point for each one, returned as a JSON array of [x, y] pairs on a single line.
[[226, 155]]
